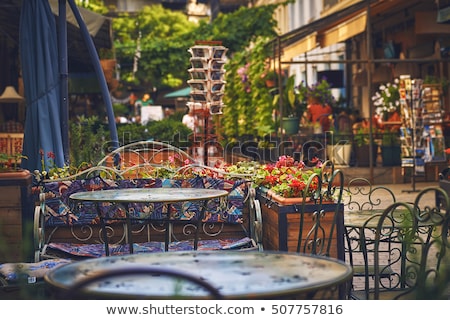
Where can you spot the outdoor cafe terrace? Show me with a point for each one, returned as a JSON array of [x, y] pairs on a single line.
[[334, 236]]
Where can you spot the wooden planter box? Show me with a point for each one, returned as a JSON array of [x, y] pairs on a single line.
[[281, 224], [16, 217]]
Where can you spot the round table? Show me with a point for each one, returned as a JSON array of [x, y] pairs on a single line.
[[237, 275], [165, 195], [149, 195]]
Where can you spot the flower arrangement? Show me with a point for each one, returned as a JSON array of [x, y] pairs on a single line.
[[55, 172], [321, 92], [286, 177], [387, 99]]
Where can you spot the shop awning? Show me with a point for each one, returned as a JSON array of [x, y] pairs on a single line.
[[345, 30], [304, 45], [333, 28]]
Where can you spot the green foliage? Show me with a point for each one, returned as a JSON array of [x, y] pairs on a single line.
[[166, 35], [87, 140], [10, 162], [293, 98], [238, 29], [169, 130], [120, 109], [390, 138], [248, 101], [131, 132], [93, 5]]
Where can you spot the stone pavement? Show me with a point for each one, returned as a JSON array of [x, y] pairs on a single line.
[[406, 192]]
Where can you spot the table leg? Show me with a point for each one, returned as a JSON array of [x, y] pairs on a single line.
[[199, 223], [168, 225], [129, 230], [104, 231]]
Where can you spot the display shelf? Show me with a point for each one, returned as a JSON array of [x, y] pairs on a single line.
[[422, 130], [207, 88]]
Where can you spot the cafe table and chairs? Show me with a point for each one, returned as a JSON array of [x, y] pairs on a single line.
[[401, 247], [235, 274], [168, 200]]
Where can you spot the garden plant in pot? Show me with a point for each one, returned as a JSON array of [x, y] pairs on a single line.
[[291, 101], [391, 149], [320, 107], [271, 79], [10, 162], [362, 141]]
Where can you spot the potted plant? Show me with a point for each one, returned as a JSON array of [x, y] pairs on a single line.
[[320, 106], [271, 79], [339, 147], [293, 104], [10, 162], [291, 194], [391, 149], [387, 100], [362, 147]]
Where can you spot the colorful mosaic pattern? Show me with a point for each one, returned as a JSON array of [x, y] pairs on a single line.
[[60, 210], [98, 250]]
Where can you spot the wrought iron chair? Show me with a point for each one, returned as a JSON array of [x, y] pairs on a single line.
[[405, 249], [196, 284], [362, 200], [321, 230]]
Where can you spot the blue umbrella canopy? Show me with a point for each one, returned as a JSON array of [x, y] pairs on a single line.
[[39, 57]]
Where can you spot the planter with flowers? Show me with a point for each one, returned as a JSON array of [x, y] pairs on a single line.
[[300, 206]]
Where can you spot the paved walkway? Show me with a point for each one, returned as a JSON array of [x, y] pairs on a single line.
[[404, 192], [407, 193]]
